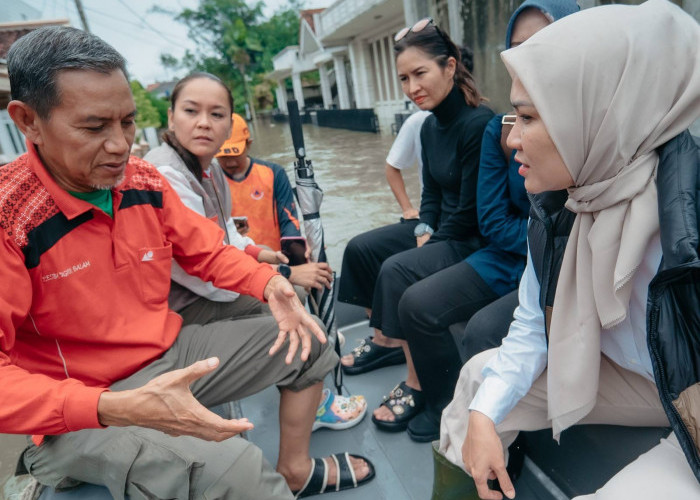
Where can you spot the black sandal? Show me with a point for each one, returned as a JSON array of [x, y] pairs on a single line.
[[405, 403], [317, 482], [369, 356]]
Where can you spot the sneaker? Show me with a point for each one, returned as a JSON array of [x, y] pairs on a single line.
[[339, 412]]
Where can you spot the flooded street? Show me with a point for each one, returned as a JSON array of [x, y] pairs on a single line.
[[349, 167]]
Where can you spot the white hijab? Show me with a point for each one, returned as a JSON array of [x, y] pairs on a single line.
[[611, 84]]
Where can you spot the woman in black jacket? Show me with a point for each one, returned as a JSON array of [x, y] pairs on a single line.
[[432, 76]]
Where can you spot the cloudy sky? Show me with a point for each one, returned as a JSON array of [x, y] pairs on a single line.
[[141, 36]]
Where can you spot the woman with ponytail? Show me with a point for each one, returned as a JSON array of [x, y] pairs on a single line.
[[199, 122], [432, 75], [185, 159]]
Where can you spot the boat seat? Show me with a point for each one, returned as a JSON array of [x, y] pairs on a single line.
[[589, 455]]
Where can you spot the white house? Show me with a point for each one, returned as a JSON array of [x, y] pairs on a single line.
[[351, 45], [11, 141]]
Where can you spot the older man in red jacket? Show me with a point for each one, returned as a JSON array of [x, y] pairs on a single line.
[[93, 363]]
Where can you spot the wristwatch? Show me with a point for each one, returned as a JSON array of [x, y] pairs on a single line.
[[421, 229], [284, 270]]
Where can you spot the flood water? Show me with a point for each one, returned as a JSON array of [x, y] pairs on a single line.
[[349, 167]]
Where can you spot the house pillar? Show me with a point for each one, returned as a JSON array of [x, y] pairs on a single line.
[[454, 9], [341, 80], [360, 62], [281, 93], [298, 89], [325, 86]]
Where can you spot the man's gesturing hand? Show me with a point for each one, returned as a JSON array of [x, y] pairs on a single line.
[[482, 453], [167, 404], [292, 319]]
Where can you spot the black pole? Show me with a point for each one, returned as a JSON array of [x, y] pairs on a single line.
[[295, 128], [81, 13], [302, 165]]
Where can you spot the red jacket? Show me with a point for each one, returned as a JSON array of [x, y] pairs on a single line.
[[84, 297]]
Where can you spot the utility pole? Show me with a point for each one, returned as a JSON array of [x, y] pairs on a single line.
[[81, 12]]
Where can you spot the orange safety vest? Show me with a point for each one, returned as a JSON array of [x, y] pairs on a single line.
[[254, 197]]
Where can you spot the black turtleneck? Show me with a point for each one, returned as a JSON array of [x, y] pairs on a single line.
[[451, 146]]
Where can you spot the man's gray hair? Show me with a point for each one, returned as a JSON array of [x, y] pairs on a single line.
[[35, 60]]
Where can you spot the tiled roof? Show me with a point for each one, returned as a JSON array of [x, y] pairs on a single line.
[[7, 38], [308, 14], [9, 32]]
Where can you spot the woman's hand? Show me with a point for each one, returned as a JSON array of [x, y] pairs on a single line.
[[312, 275], [410, 213], [482, 453], [272, 257]]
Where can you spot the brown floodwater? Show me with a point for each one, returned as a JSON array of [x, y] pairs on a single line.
[[349, 167]]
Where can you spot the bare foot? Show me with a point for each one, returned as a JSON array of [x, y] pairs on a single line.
[[384, 341], [347, 360], [297, 478], [384, 414], [378, 339]]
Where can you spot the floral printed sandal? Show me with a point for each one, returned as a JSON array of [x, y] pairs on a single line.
[[339, 412]]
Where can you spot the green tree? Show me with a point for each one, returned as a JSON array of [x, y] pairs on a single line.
[[280, 31], [234, 40], [162, 106], [147, 115]]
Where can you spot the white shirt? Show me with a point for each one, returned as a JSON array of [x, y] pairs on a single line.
[[406, 150], [523, 355], [194, 202]]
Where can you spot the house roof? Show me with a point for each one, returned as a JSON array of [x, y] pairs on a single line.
[[308, 16], [9, 32], [161, 87], [308, 42]]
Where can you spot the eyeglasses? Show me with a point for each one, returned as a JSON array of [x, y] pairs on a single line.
[[508, 119], [419, 26]]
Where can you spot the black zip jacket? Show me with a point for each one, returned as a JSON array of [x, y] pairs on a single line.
[[451, 147]]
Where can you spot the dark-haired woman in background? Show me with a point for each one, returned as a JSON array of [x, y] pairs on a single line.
[[199, 121], [432, 76]]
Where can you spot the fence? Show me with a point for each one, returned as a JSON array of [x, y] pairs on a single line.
[[362, 120]]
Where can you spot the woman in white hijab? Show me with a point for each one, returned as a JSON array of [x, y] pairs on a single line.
[[596, 94]]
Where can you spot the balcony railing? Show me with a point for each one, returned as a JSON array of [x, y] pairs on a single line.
[[342, 12]]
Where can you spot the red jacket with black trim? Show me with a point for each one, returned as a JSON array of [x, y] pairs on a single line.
[[84, 300]]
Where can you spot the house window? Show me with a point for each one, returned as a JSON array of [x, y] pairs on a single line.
[[11, 140]]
